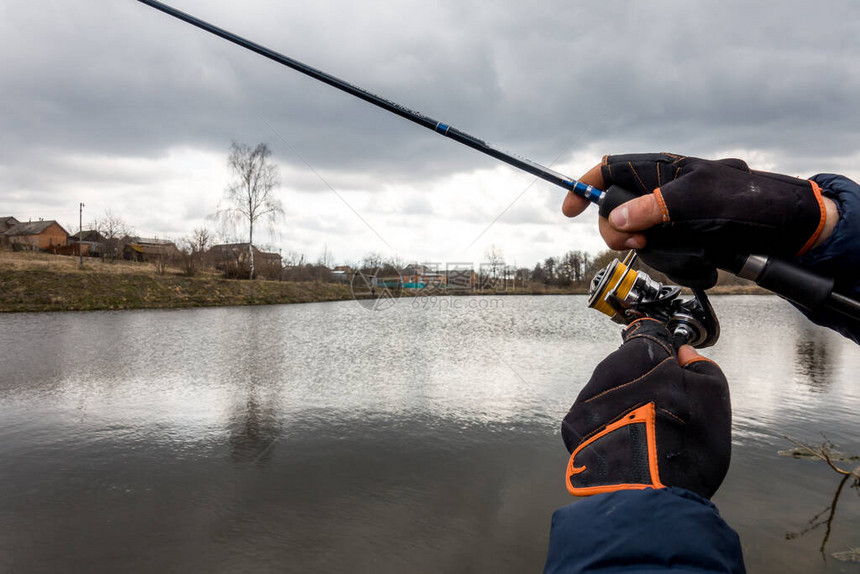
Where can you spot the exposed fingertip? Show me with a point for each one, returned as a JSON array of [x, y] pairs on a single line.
[[635, 242], [619, 216], [573, 205], [687, 354], [688, 357]]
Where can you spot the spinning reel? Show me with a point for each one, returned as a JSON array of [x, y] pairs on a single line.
[[625, 295], [617, 291]]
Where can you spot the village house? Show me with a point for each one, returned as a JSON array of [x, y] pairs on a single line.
[[464, 279], [342, 274], [422, 277], [87, 243], [7, 223], [234, 260], [43, 235], [149, 249]]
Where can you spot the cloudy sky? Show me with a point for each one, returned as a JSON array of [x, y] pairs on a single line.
[[116, 105]]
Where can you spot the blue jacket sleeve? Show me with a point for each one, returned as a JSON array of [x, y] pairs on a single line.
[[642, 532], [839, 256]]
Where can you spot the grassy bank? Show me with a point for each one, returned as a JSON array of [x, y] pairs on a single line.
[[41, 282]]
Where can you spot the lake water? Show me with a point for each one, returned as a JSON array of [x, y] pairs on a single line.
[[329, 438]]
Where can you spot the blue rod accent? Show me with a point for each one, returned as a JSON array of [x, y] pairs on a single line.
[[453, 133], [589, 192]]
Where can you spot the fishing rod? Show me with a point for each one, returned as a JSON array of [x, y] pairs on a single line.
[[587, 191], [784, 278]]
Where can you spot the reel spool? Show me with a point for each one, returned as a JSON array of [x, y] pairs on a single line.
[[625, 295]]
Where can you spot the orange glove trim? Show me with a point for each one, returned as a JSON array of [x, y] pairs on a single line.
[[698, 360], [642, 415], [664, 211], [817, 191]]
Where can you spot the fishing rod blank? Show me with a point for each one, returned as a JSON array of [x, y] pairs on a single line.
[[783, 277], [588, 192]]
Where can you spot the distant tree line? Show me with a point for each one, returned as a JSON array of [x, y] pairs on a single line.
[[577, 268], [249, 201], [572, 268]]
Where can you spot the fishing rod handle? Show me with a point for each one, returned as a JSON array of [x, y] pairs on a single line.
[[785, 278], [797, 284], [612, 198]]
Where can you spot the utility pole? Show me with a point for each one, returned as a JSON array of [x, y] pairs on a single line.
[[81, 234]]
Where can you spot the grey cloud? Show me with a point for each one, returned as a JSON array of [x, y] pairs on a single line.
[[118, 79], [529, 213], [123, 78], [418, 205]]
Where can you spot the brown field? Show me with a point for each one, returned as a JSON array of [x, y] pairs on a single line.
[[30, 261], [43, 282]]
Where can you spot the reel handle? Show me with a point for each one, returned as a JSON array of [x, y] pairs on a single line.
[[785, 278], [614, 197]]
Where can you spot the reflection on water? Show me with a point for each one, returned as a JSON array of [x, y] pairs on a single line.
[[253, 428], [825, 517], [332, 439], [814, 360]]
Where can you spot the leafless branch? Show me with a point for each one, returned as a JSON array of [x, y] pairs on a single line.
[[826, 453], [250, 195], [823, 453]]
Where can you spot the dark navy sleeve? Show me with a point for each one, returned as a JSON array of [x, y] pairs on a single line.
[[643, 532], [839, 256]]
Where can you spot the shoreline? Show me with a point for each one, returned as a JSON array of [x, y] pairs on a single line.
[[36, 282], [46, 283]]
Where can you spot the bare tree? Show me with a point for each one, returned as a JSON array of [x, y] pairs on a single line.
[[250, 194], [293, 258], [194, 250], [494, 267], [115, 231], [522, 276], [200, 239], [325, 258], [571, 267], [160, 261], [371, 261]]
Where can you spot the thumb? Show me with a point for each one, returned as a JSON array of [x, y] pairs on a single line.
[[637, 214], [687, 355]]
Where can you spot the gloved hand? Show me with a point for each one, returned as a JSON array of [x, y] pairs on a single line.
[[706, 213], [646, 419]]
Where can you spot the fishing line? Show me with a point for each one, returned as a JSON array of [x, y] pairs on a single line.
[[586, 191], [785, 278], [322, 179]]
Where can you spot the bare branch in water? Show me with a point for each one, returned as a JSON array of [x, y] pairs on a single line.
[[827, 453], [824, 452], [850, 555]]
